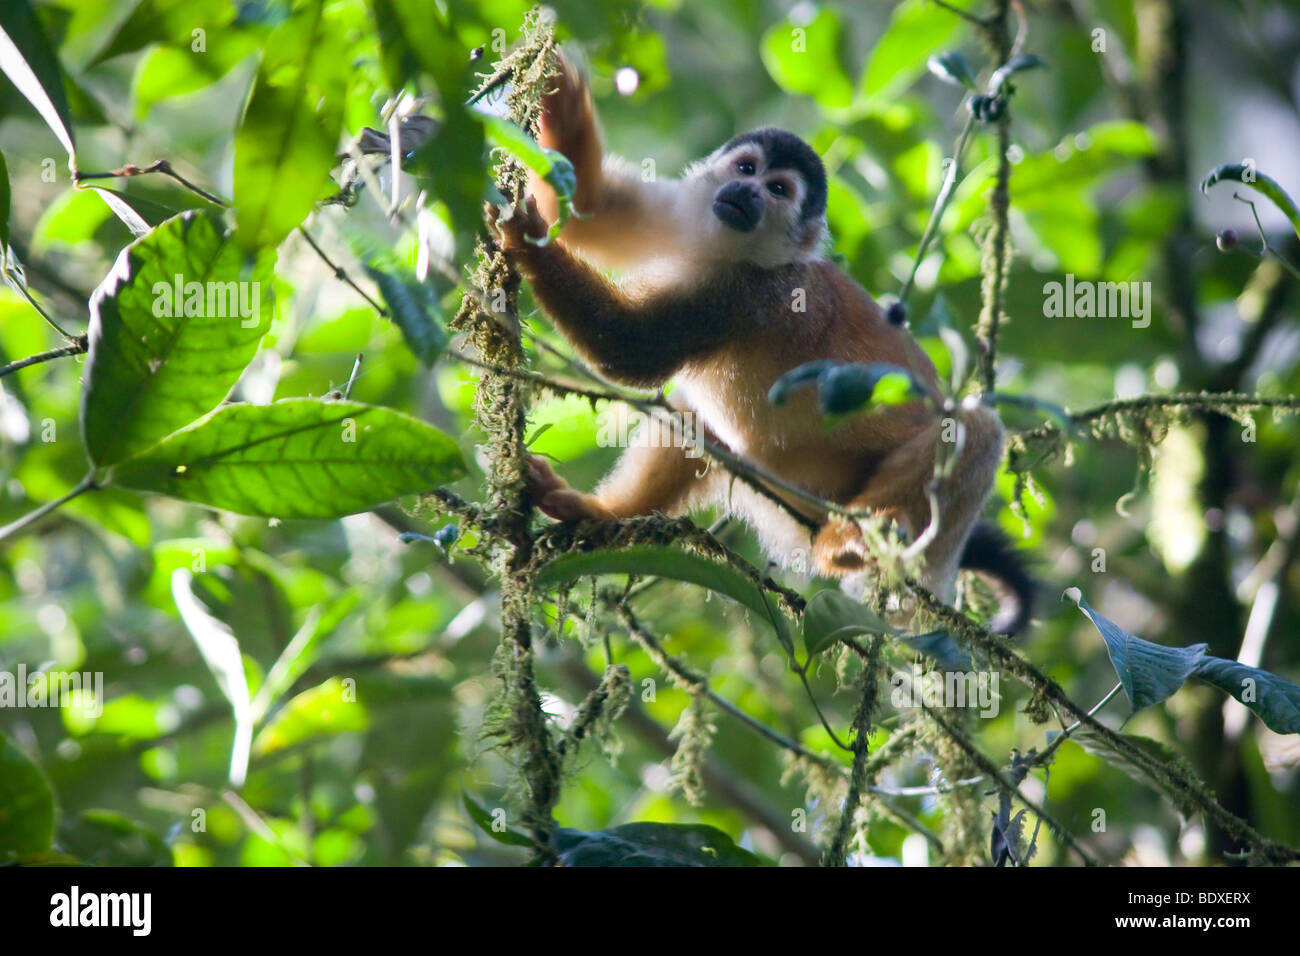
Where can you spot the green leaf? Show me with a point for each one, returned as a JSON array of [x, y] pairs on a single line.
[[942, 648], [832, 615], [147, 374], [1149, 672], [26, 803], [952, 67], [483, 820], [297, 458], [552, 166], [107, 838], [285, 146], [848, 388], [220, 650], [415, 309], [651, 844], [328, 709], [1261, 183], [1275, 700], [916, 30], [804, 57], [28, 59], [668, 563]]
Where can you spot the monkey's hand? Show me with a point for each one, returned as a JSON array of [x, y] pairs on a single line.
[[568, 124], [521, 232], [552, 495]]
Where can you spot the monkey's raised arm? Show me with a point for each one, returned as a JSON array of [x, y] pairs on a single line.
[[625, 218], [640, 342]]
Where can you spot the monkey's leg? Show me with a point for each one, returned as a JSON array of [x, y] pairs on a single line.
[[658, 472], [898, 490]]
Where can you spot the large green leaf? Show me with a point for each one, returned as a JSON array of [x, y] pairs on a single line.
[[26, 804], [297, 458], [651, 844], [917, 29], [286, 144], [668, 563], [148, 374], [804, 57], [29, 61]]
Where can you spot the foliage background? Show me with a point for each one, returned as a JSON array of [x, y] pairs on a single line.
[[1110, 148]]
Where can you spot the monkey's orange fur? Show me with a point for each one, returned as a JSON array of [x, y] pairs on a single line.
[[715, 311]]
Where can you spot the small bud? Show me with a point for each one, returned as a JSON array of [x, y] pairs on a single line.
[[896, 314], [1226, 240]]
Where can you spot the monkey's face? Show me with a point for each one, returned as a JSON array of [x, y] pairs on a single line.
[[758, 207]]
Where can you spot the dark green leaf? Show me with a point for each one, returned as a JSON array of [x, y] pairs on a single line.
[[1149, 672], [147, 374], [668, 563], [26, 804], [831, 615], [848, 388], [945, 651], [1275, 700], [651, 844], [28, 59], [285, 146], [297, 458], [107, 838], [483, 820], [415, 309]]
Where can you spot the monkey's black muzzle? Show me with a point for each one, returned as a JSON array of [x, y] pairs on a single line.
[[738, 205]]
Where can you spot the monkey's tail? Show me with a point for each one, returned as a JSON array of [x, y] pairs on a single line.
[[990, 553]]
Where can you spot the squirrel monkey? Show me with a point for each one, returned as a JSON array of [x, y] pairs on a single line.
[[727, 287]]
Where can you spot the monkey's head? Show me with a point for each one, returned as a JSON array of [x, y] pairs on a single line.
[[767, 195]]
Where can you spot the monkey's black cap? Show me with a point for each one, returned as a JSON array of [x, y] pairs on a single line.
[[785, 150]]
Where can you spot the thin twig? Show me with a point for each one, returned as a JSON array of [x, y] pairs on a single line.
[[78, 346]]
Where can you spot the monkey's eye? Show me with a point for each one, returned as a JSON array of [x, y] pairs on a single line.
[[776, 188], [746, 167]]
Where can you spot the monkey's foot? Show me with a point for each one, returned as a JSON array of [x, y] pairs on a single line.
[[839, 549], [553, 497]]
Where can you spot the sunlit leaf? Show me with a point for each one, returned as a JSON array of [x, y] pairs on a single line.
[[148, 374], [297, 458]]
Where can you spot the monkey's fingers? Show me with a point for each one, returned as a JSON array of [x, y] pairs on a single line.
[[570, 505]]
